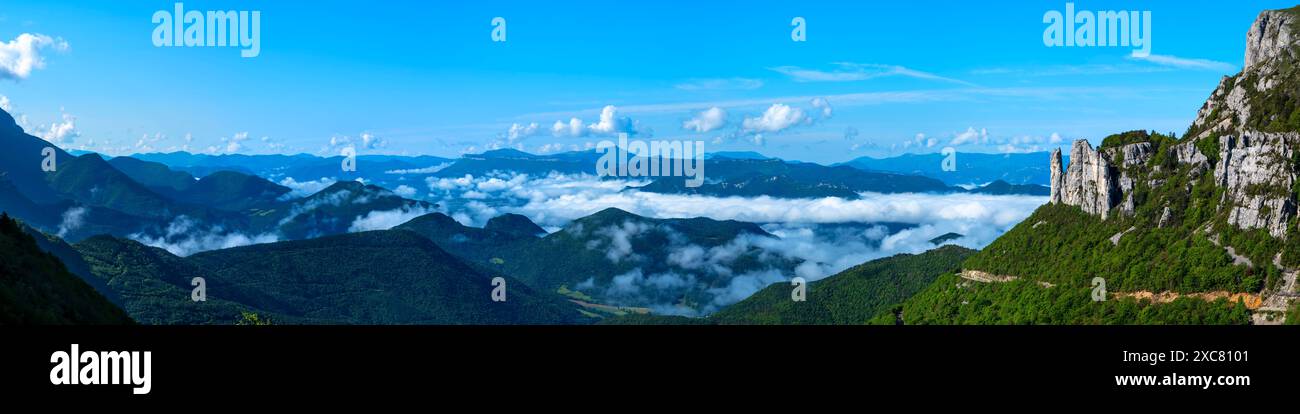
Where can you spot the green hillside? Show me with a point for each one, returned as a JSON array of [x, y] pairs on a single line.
[[589, 251], [36, 289], [852, 297], [382, 277], [951, 300]]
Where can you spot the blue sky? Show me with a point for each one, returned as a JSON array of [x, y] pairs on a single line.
[[425, 77]]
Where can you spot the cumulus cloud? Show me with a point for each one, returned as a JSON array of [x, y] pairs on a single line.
[[571, 129], [184, 237], [776, 118], [19, 57], [364, 141], [60, 132], [823, 106], [971, 136], [235, 142], [519, 131], [5, 105], [609, 123], [147, 142], [707, 120], [404, 191]]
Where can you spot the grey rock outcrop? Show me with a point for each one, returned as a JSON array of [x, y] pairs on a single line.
[[1256, 171], [1269, 36], [1090, 182]]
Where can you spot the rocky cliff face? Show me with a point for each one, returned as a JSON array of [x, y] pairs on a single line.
[[1247, 133], [1099, 181], [1257, 171], [1089, 182], [1269, 37]]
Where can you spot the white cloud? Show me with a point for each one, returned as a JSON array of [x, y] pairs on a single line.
[[370, 141], [519, 131], [609, 123], [555, 200], [60, 132], [384, 220], [235, 143], [971, 136], [1187, 63], [365, 141], [776, 118], [572, 129], [824, 106], [404, 191], [707, 120], [184, 237], [300, 189], [421, 171], [72, 220], [850, 72], [5, 105], [20, 56]]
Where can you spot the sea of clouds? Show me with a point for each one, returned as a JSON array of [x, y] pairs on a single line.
[[801, 226], [823, 236]]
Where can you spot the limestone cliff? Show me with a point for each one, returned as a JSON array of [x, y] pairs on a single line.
[[1246, 133]]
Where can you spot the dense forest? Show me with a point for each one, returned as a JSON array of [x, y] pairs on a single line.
[[36, 289], [953, 300]]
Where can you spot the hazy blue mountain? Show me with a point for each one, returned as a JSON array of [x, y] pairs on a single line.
[[972, 168], [18, 205], [21, 160], [90, 180], [516, 225], [335, 209], [522, 162], [736, 155], [157, 176], [300, 167], [232, 191], [475, 245], [776, 178], [1000, 187]]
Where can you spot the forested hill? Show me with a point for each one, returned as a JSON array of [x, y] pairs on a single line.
[[36, 289]]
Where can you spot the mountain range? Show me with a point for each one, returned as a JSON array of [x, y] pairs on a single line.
[[1145, 228]]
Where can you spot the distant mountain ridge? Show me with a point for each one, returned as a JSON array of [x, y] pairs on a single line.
[[380, 277], [971, 168]]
